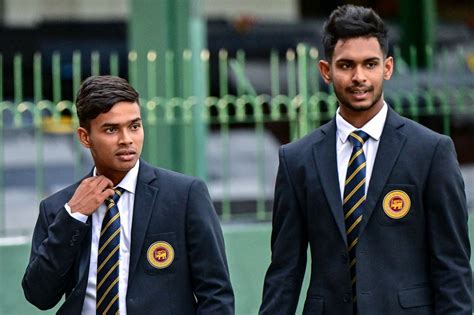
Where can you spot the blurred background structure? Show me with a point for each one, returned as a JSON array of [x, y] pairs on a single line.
[[223, 84]]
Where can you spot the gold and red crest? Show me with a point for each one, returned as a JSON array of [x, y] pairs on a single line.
[[396, 204], [160, 254]]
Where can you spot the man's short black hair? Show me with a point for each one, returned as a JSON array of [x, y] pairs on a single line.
[[350, 21], [97, 95]]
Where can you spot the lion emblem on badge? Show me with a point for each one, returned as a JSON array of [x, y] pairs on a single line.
[[160, 254], [396, 204]]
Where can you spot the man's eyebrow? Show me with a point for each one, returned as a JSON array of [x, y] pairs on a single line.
[[133, 121]]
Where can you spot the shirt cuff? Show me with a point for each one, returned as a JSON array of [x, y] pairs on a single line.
[[76, 215]]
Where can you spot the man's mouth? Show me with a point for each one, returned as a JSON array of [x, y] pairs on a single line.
[[126, 154]]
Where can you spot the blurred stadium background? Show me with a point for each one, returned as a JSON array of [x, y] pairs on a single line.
[[223, 84]]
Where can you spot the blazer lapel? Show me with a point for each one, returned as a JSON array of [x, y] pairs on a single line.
[[326, 163], [145, 196], [391, 143]]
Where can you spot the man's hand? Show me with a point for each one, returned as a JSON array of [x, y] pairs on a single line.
[[90, 194]]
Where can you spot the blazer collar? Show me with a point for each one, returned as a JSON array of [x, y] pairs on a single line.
[[326, 164], [145, 196]]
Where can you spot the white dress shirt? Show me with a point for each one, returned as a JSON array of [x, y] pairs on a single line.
[[125, 205], [373, 128]]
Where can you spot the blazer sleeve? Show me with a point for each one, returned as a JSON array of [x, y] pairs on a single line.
[[206, 251], [289, 246], [447, 215], [53, 251]]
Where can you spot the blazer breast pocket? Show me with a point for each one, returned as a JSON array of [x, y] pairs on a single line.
[[160, 253], [398, 205]]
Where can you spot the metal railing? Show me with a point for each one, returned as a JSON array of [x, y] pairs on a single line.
[[294, 104]]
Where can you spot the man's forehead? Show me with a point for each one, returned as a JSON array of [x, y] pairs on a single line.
[[357, 47]]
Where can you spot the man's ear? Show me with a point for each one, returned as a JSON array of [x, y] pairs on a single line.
[[325, 70], [83, 136], [388, 68]]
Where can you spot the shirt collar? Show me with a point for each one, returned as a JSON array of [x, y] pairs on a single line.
[[373, 127], [129, 182]]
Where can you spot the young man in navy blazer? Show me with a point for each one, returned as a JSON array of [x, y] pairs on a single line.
[[169, 256], [379, 198]]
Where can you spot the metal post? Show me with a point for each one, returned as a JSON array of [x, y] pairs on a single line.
[[181, 28], [418, 22]]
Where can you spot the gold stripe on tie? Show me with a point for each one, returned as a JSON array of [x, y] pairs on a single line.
[[110, 304], [109, 223], [355, 173], [353, 280], [362, 182], [107, 275], [361, 200], [352, 263], [108, 258], [355, 156], [109, 240], [358, 138], [357, 221], [118, 192], [354, 242], [106, 292]]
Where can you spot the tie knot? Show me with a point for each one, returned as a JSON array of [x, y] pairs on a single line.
[[358, 138], [118, 193]]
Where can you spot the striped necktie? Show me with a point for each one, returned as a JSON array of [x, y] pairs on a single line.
[[354, 200], [108, 258]]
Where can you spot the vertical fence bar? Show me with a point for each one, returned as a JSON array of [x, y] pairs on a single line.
[[18, 78], [397, 56], [313, 112], [187, 73], [95, 63], [223, 74], [240, 56], [413, 106], [275, 72], [291, 73], [37, 78], [1, 77], [132, 68], [169, 74], [186, 116], [205, 55], [114, 64], [2, 171], [76, 72], [303, 89], [56, 70], [76, 82], [151, 74]]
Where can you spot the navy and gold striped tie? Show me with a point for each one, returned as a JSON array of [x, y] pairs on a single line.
[[354, 200], [108, 258]]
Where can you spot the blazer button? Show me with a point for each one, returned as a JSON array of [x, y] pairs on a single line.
[[72, 243], [346, 298]]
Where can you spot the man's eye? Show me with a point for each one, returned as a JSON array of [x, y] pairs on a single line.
[[371, 65], [110, 130], [345, 66], [136, 126]]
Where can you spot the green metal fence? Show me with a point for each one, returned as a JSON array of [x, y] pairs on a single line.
[[293, 107]]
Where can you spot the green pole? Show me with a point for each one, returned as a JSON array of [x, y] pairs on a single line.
[[418, 24]]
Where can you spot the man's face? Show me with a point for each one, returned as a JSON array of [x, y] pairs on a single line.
[[357, 70], [115, 140]]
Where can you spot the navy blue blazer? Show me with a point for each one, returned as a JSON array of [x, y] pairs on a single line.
[[169, 207], [412, 261]]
